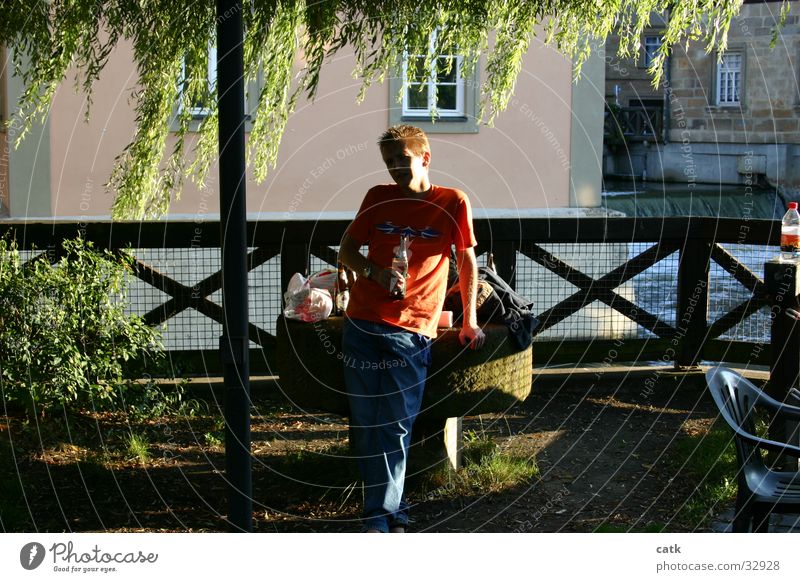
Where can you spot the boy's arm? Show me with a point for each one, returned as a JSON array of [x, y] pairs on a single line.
[[471, 334], [350, 256]]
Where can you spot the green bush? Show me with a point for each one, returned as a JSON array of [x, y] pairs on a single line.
[[64, 332]]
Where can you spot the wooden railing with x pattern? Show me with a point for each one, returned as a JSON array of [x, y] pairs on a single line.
[[698, 242]]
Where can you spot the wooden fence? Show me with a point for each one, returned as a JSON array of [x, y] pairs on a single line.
[[684, 335]]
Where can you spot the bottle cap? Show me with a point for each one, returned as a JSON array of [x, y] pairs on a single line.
[[792, 205]]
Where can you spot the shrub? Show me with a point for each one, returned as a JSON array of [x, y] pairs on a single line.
[[64, 332]]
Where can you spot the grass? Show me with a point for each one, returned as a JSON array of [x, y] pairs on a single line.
[[328, 476], [708, 459], [216, 436], [214, 439], [331, 473], [137, 447], [152, 400], [486, 468]]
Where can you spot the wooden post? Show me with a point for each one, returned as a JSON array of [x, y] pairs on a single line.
[[783, 287], [436, 443], [691, 317], [294, 259], [454, 440], [505, 260]]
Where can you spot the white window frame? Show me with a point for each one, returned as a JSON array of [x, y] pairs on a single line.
[[211, 81], [199, 114], [651, 44], [729, 78], [432, 110]]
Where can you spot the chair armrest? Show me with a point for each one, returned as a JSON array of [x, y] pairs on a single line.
[[782, 409], [778, 447], [736, 398]]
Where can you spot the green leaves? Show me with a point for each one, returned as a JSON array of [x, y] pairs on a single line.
[[64, 330], [286, 44], [274, 43]]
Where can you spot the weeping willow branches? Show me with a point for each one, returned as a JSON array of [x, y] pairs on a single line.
[[170, 40]]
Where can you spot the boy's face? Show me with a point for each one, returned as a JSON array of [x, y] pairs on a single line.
[[406, 168]]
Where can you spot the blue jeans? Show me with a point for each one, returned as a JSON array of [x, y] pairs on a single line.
[[385, 368]]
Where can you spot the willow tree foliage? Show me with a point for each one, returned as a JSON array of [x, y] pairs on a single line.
[[170, 40]]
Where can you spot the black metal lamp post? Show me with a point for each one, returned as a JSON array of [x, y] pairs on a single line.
[[234, 342]]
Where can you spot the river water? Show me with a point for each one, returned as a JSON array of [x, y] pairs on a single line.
[[664, 199], [656, 288]]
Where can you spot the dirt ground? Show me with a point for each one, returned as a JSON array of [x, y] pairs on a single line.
[[603, 444]]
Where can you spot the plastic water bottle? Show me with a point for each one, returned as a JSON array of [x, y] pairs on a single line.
[[790, 233], [400, 264]]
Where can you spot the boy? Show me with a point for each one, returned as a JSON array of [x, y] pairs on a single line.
[[387, 340]]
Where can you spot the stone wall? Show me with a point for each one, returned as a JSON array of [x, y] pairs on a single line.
[[720, 144], [628, 74], [770, 102]]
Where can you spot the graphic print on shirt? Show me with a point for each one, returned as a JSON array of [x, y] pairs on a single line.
[[390, 228]]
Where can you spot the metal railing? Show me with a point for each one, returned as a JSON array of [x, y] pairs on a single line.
[[635, 123], [606, 290]]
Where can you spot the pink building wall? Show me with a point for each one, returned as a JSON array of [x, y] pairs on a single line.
[[328, 156]]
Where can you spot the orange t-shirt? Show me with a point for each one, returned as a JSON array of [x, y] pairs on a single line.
[[434, 223]]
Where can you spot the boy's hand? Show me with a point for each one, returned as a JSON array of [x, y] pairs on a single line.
[[383, 277], [388, 278], [472, 337]]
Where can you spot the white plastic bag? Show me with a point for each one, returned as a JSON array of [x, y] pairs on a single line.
[[325, 279], [306, 303]]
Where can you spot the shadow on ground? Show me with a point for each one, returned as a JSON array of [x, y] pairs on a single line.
[[603, 448]]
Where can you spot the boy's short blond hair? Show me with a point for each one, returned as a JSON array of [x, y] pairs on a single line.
[[413, 137]]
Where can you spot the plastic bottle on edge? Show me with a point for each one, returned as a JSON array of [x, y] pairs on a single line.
[[790, 233]]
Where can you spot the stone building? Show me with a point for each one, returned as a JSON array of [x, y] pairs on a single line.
[[629, 86], [729, 117]]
